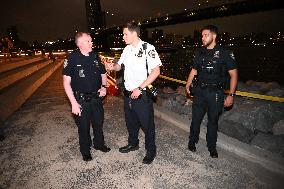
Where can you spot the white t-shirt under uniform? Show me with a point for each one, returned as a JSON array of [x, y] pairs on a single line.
[[134, 60]]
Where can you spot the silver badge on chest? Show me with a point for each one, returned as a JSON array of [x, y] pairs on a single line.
[[81, 73], [216, 54]]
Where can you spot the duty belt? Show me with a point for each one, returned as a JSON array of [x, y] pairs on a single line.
[[86, 96], [211, 85], [127, 93]]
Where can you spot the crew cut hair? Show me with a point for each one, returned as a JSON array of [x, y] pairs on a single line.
[[132, 26], [211, 28], [80, 34]]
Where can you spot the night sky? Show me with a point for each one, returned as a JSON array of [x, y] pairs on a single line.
[[52, 19]]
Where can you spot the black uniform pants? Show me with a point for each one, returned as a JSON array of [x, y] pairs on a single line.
[[211, 101], [140, 113], [92, 113]]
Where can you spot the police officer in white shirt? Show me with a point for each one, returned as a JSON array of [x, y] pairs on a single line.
[[138, 106]]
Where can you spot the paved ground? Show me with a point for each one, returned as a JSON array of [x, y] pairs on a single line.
[[41, 151]]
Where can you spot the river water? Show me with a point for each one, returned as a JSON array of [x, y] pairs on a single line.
[[254, 63]]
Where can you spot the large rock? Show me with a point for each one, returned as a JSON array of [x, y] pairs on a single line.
[[242, 86], [168, 96], [175, 106], [276, 92], [181, 99], [181, 90], [168, 90], [255, 87], [255, 115], [235, 130], [250, 82], [278, 128], [273, 85], [269, 142]]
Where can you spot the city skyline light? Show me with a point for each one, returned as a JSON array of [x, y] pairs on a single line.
[[50, 20]]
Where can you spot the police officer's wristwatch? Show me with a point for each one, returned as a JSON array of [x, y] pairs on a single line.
[[140, 89], [232, 94]]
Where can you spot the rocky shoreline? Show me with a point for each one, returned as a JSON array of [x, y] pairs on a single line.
[[256, 122]]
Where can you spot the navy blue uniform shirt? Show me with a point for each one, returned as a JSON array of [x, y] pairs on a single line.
[[85, 71], [212, 65]]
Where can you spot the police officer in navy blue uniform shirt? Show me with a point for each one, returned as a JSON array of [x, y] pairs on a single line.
[[84, 80], [138, 106], [212, 65]]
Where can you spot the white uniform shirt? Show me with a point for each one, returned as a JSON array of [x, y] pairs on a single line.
[[134, 60]]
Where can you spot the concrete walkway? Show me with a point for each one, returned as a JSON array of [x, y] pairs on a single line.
[[41, 151]]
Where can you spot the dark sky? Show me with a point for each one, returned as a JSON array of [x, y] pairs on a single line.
[[53, 19]]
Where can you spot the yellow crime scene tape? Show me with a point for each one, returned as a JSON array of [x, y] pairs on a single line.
[[238, 93]]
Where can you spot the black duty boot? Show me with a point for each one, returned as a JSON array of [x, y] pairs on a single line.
[[87, 157], [149, 158], [103, 148], [128, 148], [2, 137], [213, 153], [191, 146]]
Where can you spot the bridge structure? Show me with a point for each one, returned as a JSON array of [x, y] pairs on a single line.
[[186, 16]]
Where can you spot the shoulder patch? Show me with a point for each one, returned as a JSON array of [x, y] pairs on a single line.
[[65, 63], [232, 55], [152, 53]]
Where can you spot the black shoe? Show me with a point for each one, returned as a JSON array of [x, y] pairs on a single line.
[[213, 153], [87, 157], [104, 148], [149, 158], [2, 137], [128, 148], [191, 146]]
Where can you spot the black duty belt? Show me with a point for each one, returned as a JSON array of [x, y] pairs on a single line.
[[127, 93], [86, 96], [211, 85]]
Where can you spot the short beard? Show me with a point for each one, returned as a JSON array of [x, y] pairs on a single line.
[[208, 44]]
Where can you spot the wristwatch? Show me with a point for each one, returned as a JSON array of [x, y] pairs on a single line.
[[104, 86], [140, 89], [232, 94]]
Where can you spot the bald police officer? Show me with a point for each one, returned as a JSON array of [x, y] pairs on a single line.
[[84, 80], [211, 65], [138, 106]]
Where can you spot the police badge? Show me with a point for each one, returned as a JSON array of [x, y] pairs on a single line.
[[81, 73], [217, 54], [140, 53]]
